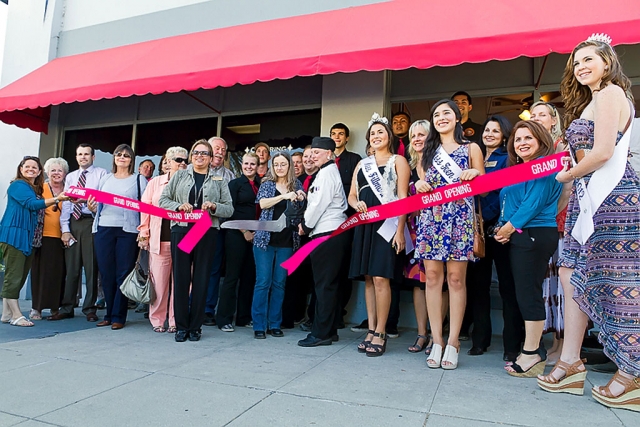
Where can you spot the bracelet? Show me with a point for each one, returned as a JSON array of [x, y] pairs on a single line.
[[571, 174], [56, 201]]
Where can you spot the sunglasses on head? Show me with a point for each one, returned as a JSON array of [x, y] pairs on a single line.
[[37, 159], [180, 160]]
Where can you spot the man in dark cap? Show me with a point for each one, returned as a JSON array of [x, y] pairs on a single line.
[[326, 204]]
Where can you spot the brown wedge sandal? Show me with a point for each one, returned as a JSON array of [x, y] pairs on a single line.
[[629, 399], [572, 382]]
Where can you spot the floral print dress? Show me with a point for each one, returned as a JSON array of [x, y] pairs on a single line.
[[445, 232]]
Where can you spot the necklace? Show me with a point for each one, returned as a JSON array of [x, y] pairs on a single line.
[[198, 192]]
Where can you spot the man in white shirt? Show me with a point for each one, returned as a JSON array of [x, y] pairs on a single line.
[[76, 222]]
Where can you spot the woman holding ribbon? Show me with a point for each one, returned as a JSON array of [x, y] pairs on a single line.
[[270, 248], [445, 232], [115, 233], [240, 275], [548, 116], [497, 131], [21, 230], [600, 262], [48, 269], [325, 212], [194, 188], [155, 236], [528, 223], [414, 269], [378, 179]]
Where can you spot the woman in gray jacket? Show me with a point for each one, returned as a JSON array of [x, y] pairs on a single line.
[[194, 188]]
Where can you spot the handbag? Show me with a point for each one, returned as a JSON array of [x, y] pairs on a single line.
[[478, 232], [138, 286]]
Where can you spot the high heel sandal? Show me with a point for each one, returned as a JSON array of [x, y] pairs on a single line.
[[450, 355], [533, 371], [433, 361], [362, 347], [629, 399], [572, 382], [417, 348], [375, 350]]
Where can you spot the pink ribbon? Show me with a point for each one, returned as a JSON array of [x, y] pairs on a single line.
[[483, 184], [189, 241]]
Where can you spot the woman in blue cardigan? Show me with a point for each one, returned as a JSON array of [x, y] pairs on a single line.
[[528, 223], [19, 231]]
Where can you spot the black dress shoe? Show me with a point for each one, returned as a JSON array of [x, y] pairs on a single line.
[[335, 338], [209, 320], [306, 326], [276, 333], [195, 335], [181, 336], [259, 335], [311, 341], [509, 356], [477, 351]]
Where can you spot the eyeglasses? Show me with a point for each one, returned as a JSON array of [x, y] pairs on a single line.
[[180, 159], [200, 153], [123, 154]]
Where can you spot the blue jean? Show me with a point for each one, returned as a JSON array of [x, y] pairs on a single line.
[[268, 294], [214, 281]]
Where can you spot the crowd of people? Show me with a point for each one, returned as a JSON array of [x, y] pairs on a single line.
[[558, 263]]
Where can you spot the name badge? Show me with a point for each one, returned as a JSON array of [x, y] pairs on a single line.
[[216, 178], [490, 164]]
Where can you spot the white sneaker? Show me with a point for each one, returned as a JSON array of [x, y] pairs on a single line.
[[227, 328]]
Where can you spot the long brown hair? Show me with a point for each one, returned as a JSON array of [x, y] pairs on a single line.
[[38, 183], [539, 133], [271, 173], [577, 96]]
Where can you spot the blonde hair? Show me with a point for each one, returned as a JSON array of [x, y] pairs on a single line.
[[556, 130], [414, 158], [56, 161], [173, 152]]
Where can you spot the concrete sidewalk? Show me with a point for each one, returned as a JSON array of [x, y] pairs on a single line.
[[135, 377]]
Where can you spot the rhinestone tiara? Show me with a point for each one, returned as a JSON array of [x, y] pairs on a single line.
[[599, 37], [376, 118]]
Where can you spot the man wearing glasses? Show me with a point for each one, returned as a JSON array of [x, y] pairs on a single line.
[[76, 222]]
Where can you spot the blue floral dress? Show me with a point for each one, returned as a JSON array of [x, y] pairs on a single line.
[[445, 232]]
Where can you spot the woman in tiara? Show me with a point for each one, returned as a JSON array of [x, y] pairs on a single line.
[[603, 273], [445, 232], [372, 255]]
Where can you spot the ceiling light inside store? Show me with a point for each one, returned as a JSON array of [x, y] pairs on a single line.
[[525, 115], [245, 129]]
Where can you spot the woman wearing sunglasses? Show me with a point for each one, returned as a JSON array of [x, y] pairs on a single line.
[[48, 269], [194, 188], [115, 231], [155, 236], [20, 231]]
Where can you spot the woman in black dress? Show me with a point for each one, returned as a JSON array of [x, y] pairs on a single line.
[[372, 256]]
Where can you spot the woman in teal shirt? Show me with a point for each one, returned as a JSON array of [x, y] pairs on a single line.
[[528, 224], [18, 233]]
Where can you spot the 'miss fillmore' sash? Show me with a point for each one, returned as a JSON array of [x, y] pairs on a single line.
[[188, 242], [601, 184], [376, 183], [482, 184]]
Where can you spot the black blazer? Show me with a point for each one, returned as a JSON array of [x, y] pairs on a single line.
[[243, 197]]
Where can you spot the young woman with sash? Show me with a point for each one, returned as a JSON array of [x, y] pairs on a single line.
[[378, 179], [548, 116], [600, 263], [445, 232]]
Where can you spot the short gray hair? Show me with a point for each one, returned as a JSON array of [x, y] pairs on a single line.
[[56, 161], [217, 138], [173, 152]]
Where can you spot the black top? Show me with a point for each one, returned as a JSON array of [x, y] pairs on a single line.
[[165, 230], [243, 197], [302, 179], [472, 131], [195, 195], [347, 162], [284, 238]]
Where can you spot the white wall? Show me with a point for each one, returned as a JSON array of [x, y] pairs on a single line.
[[28, 42]]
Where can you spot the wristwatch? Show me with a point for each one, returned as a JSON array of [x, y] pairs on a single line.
[[55, 199]]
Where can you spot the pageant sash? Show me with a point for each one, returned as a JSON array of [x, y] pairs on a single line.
[[376, 182], [446, 166], [601, 184], [203, 222], [492, 181]]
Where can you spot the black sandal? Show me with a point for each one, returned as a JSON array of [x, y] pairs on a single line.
[[362, 347], [375, 350], [417, 348], [534, 370]]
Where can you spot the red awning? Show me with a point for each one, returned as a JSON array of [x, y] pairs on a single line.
[[393, 35]]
